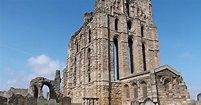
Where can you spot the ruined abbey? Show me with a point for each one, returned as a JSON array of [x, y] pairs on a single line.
[[114, 59]]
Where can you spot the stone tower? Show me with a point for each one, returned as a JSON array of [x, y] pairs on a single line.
[[113, 59]]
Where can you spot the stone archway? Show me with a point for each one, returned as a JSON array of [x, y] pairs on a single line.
[[35, 89], [148, 101], [36, 86]]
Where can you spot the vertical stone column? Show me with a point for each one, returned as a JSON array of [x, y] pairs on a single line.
[[153, 87], [137, 47]]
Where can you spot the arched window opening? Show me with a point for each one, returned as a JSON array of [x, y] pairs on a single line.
[[35, 91], [89, 64], [143, 50], [142, 31], [144, 87], [127, 7], [150, 9], [129, 24], [167, 84], [116, 60], [46, 92], [116, 24], [75, 72], [76, 44], [144, 57], [130, 52], [89, 40], [135, 91], [127, 91]]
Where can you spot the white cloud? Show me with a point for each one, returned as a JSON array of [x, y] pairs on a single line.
[[17, 80], [43, 65], [40, 66]]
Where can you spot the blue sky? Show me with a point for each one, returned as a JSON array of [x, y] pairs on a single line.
[[34, 35]]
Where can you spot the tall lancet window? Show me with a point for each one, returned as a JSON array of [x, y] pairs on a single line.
[[116, 24], [135, 91], [89, 64], [144, 89], [75, 71], [130, 53], [127, 91], [129, 25], [143, 50], [116, 60], [127, 7], [76, 44], [89, 38]]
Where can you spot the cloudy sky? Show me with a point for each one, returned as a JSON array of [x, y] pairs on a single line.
[[34, 35]]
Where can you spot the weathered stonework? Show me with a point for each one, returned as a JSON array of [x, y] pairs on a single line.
[[13, 91], [113, 59], [13, 95], [36, 86]]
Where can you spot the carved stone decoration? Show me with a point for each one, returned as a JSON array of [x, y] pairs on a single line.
[[173, 85], [141, 13], [116, 4]]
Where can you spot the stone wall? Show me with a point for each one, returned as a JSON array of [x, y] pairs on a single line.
[[13, 91]]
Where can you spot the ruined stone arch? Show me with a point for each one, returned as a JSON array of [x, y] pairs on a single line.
[[36, 86], [126, 91], [148, 101]]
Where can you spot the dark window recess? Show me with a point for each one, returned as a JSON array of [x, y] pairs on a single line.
[[142, 31], [143, 50], [144, 57], [89, 64], [130, 49], [89, 36], [129, 24], [127, 7], [116, 24], [116, 60], [75, 72], [76, 44]]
